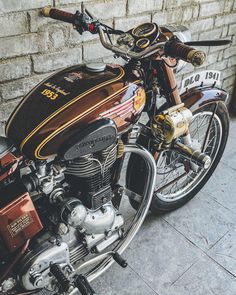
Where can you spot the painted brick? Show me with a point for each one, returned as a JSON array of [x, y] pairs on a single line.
[[19, 87], [13, 24], [126, 24], [212, 58], [230, 72], [53, 61], [188, 13], [201, 25], [15, 69], [2, 128], [225, 30], [220, 65], [223, 20], [211, 35], [16, 5], [212, 8], [232, 61], [228, 82], [19, 45], [64, 2], [160, 18], [38, 22], [6, 110], [228, 6], [108, 9], [232, 30], [55, 35], [230, 51], [135, 6], [95, 51]]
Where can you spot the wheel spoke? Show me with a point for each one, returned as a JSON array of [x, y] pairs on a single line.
[[173, 181]]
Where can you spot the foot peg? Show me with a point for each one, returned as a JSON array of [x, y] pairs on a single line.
[[80, 282], [121, 261], [83, 285], [65, 283]]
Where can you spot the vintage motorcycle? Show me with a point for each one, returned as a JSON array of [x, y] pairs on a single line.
[[61, 160]]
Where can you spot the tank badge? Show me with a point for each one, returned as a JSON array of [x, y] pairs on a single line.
[[74, 76], [139, 99]]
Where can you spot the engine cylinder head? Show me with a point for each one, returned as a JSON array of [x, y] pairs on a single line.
[[90, 165]]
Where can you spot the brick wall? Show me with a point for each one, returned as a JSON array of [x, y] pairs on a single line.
[[31, 46]]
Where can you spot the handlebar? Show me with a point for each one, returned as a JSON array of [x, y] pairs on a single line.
[[175, 48], [59, 14], [85, 22], [129, 54]]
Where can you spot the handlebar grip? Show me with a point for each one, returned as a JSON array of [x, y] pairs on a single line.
[[175, 48], [58, 14]]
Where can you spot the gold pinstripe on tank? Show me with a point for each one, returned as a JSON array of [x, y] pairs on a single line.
[[69, 104], [71, 122]]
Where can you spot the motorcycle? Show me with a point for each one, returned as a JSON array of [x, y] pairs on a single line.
[[63, 155]]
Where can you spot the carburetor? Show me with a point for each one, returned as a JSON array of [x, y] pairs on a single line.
[[171, 124]]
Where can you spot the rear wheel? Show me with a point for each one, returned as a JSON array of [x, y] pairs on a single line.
[[175, 186]]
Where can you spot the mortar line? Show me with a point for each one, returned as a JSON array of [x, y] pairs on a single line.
[[203, 251], [146, 283]]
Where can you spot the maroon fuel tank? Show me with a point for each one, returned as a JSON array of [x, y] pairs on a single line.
[[67, 102]]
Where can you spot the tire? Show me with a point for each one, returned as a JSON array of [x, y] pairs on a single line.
[[135, 176]]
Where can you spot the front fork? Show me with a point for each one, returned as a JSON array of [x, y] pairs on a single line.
[[174, 122]]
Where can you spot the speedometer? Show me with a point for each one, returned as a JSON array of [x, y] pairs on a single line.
[[145, 30]]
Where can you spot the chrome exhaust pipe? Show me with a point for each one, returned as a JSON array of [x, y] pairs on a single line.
[[106, 259]]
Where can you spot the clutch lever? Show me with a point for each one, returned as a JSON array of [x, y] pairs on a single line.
[[90, 14]]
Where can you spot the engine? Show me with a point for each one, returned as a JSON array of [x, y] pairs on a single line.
[[73, 201]]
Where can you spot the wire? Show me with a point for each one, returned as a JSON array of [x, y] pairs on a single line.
[[171, 66], [108, 35], [166, 63]]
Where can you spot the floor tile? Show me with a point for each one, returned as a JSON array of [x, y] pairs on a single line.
[[203, 221], [119, 281], [222, 186], [224, 252], [204, 278], [159, 254], [229, 156]]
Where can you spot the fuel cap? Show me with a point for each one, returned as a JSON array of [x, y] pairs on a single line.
[[95, 67]]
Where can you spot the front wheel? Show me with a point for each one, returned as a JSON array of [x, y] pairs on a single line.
[[175, 186]]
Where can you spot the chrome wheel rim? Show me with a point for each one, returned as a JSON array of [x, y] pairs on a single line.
[[169, 165]]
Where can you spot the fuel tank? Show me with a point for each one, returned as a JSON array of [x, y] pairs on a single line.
[[68, 101]]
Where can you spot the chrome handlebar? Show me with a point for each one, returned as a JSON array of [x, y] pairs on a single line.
[[127, 53]]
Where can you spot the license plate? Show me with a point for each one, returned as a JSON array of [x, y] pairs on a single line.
[[201, 79]]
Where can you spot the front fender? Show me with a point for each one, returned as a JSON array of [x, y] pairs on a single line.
[[199, 96]]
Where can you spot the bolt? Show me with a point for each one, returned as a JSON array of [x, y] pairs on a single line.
[[62, 229], [58, 242], [73, 213], [52, 240], [38, 283]]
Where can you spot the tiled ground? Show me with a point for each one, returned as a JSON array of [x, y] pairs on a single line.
[[189, 251]]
